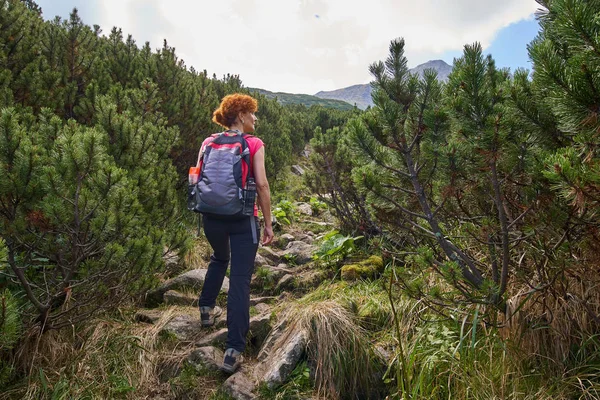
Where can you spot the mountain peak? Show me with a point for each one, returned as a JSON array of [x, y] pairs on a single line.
[[361, 94]]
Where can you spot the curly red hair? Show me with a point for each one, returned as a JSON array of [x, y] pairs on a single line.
[[231, 106]]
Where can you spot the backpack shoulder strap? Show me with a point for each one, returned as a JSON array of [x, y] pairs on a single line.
[[203, 147], [248, 157]]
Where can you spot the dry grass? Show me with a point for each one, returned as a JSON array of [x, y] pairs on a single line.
[[107, 359], [339, 352], [559, 325]]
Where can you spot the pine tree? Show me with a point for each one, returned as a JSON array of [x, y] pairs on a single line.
[[397, 142], [330, 178], [566, 62]]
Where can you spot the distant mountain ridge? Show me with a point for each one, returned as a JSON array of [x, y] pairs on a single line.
[[361, 94], [306, 99]]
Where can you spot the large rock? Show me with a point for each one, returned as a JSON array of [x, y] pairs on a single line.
[[307, 237], [184, 327], [240, 387], [270, 341], [260, 326], [207, 357], [282, 360], [190, 280], [299, 252]]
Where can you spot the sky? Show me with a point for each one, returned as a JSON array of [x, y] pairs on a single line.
[[305, 46]]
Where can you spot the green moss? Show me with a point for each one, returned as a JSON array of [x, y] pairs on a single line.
[[375, 261], [366, 269], [352, 272]]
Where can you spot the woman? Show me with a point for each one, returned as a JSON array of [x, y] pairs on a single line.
[[234, 239]]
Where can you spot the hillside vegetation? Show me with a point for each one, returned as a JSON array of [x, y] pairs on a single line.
[[303, 99]]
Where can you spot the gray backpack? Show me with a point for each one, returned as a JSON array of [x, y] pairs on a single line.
[[225, 187]]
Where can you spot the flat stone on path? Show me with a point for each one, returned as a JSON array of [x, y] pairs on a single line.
[[185, 327], [240, 387], [190, 280], [148, 316], [209, 357], [216, 338], [300, 252]]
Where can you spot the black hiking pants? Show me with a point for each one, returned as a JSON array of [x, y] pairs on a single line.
[[231, 240]]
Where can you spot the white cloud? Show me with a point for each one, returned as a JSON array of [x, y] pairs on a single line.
[[304, 46]]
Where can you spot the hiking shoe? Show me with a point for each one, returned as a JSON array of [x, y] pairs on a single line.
[[232, 361], [208, 315]]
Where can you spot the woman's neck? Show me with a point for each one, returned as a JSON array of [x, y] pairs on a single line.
[[237, 127]]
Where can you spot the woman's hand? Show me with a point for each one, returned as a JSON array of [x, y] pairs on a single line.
[[267, 235]]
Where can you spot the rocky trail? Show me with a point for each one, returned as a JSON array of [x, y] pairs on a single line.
[[283, 273]]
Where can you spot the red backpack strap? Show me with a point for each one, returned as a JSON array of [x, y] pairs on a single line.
[[203, 148]]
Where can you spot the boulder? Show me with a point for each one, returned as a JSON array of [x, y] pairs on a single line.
[[260, 326], [240, 387], [207, 357], [299, 252], [173, 297], [282, 360], [190, 280], [270, 341], [307, 237]]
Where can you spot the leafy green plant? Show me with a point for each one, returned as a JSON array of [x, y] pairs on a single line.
[[285, 211], [317, 206], [335, 247]]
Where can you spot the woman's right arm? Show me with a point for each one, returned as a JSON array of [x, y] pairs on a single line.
[[264, 193]]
